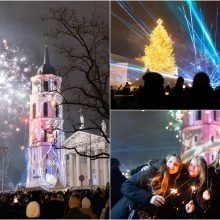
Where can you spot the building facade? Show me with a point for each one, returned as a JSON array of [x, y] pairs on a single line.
[[200, 134], [46, 164], [95, 172]]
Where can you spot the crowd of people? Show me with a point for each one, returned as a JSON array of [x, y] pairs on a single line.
[[40, 204], [168, 189], [154, 94]]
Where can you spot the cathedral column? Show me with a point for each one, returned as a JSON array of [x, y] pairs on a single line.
[[105, 171], [89, 171], [71, 167], [77, 169], [97, 172]]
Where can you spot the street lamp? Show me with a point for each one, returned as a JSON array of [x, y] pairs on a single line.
[[3, 166]]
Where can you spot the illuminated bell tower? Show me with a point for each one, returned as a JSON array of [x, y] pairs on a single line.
[[46, 164], [200, 134]]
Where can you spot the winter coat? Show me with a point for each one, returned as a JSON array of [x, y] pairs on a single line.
[[117, 180], [135, 195], [196, 195], [214, 189], [89, 212], [74, 213]]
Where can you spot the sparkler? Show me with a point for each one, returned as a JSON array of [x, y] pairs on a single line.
[[193, 188], [172, 192]]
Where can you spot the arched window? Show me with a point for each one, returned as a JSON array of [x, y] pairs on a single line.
[[33, 171], [46, 86], [57, 110], [45, 170], [212, 138], [46, 156], [34, 110], [45, 109], [45, 135]]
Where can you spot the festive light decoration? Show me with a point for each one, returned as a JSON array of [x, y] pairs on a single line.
[[159, 55]]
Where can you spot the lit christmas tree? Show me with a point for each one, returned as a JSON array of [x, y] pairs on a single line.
[[159, 55]]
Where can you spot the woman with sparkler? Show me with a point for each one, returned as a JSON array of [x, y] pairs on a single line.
[[195, 191], [151, 192]]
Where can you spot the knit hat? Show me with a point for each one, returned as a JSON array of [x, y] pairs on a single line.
[[86, 203], [33, 210]]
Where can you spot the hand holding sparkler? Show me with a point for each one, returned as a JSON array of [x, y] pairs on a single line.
[[206, 195], [190, 207], [157, 200]]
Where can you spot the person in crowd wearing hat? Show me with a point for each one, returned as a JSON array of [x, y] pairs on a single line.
[[86, 208], [33, 210], [74, 208]]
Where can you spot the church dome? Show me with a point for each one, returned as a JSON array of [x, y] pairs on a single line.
[[46, 68]]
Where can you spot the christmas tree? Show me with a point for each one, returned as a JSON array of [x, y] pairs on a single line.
[[159, 55]]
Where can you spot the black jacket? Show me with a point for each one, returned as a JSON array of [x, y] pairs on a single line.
[[214, 188], [134, 193], [74, 213]]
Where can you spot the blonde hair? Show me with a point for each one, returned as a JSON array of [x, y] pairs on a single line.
[[203, 170], [216, 162], [164, 176]]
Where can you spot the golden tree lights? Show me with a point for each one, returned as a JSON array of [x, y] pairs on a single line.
[[159, 55]]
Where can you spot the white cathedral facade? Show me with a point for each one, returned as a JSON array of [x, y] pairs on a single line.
[[95, 172]]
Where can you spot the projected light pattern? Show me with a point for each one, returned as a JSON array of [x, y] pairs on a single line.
[[206, 57], [203, 52]]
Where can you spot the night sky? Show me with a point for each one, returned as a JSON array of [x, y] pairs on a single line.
[[21, 25], [126, 43], [138, 136]]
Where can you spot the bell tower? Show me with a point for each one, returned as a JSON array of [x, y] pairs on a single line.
[[46, 164], [200, 134]]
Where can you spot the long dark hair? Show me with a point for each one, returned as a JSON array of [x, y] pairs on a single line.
[[160, 182]]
